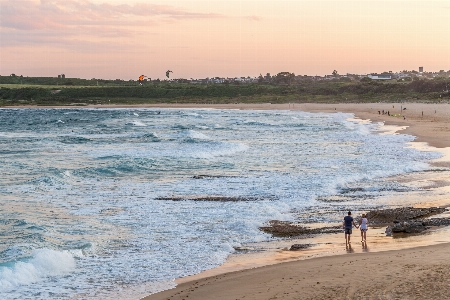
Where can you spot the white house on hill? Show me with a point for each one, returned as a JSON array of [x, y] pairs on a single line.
[[380, 76]]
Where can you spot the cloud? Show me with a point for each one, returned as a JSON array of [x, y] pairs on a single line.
[[253, 18], [66, 14], [58, 23]]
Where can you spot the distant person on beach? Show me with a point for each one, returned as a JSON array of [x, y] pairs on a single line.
[[347, 225], [363, 227]]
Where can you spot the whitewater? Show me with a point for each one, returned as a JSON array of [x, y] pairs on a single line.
[[116, 203]]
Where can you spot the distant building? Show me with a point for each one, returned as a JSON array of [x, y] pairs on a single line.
[[384, 76], [420, 69], [401, 75]]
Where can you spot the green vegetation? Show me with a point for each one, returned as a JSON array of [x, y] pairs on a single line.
[[17, 90]]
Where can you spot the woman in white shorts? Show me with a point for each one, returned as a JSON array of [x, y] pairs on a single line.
[[363, 227]]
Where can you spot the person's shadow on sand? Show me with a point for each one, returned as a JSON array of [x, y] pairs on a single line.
[[364, 246], [348, 248]]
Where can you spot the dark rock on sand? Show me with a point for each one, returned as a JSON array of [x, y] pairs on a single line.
[[437, 222], [407, 219], [388, 231], [202, 176], [386, 216], [208, 198], [416, 226], [409, 227], [289, 229], [297, 247]]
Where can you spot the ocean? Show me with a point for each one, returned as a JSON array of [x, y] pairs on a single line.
[[116, 203]]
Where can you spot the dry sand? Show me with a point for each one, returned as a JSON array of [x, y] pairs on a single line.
[[412, 267]]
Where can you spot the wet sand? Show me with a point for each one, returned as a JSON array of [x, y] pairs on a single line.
[[417, 273], [400, 267]]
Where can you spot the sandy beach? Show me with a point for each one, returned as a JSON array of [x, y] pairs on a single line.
[[407, 267], [418, 273]]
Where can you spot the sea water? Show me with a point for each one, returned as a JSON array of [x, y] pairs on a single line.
[[116, 203]]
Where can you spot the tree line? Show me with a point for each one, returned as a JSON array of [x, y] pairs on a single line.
[[283, 90]]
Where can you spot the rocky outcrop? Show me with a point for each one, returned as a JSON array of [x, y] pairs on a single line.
[[409, 227], [202, 176], [289, 229], [437, 222], [209, 198], [387, 216], [416, 226], [405, 219]]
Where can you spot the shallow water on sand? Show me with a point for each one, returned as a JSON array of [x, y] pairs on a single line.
[[97, 203]]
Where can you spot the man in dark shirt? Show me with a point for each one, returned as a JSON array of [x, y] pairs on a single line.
[[347, 225]]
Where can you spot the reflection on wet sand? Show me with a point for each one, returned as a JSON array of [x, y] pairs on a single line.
[[269, 253], [348, 248], [364, 246]]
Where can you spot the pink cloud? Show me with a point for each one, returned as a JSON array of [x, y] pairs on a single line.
[[60, 22], [63, 14], [253, 18]]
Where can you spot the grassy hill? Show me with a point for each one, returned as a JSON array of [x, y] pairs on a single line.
[[16, 90]]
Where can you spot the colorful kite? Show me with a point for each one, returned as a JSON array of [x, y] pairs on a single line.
[[141, 78]]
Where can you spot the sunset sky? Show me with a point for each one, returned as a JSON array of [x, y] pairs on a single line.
[[226, 38]]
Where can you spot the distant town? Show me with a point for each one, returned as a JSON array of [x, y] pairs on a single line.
[[280, 78], [288, 77], [283, 87]]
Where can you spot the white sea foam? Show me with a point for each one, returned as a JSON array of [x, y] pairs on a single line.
[[195, 115], [42, 264], [197, 135], [136, 123], [216, 150]]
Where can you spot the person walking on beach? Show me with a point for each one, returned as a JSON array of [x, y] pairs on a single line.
[[363, 227], [348, 225]]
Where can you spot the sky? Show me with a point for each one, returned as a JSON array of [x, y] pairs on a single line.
[[117, 39]]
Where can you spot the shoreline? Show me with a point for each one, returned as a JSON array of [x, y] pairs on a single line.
[[432, 132], [251, 273]]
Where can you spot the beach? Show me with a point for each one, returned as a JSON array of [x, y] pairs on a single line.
[[410, 267], [403, 266], [417, 273]]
